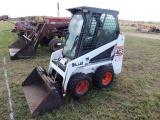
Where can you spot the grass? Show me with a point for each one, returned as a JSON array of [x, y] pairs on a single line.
[[134, 30], [134, 94], [125, 28], [128, 28]]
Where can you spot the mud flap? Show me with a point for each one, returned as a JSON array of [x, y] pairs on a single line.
[[42, 93], [21, 49]]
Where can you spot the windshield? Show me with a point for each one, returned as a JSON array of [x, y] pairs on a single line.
[[75, 27]]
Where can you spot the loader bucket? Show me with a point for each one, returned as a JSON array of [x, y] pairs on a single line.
[[21, 49], [41, 94]]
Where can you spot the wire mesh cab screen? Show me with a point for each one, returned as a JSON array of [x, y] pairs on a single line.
[[102, 30]]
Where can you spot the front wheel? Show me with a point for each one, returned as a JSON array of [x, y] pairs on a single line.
[[79, 85]]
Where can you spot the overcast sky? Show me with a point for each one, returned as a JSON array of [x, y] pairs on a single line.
[[144, 10]]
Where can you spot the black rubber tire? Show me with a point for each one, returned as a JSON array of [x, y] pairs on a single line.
[[76, 80], [53, 45], [99, 78], [20, 34]]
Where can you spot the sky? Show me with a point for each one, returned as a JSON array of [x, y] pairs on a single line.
[[136, 10]]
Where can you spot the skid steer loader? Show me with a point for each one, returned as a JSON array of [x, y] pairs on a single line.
[[92, 54]]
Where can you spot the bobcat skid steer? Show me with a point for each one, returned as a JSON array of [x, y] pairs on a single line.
[[92, 54]]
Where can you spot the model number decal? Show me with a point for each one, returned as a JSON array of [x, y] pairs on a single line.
[[119, 50], [77, 64]]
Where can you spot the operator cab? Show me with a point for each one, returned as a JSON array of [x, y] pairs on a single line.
[[89, 29]]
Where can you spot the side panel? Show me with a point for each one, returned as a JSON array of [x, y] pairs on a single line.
[[91, 68], [118, 58]]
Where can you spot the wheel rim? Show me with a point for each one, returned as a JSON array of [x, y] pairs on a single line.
[[107, 78], [82, 87]]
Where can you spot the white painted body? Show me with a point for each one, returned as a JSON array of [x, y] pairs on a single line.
[[83, 65]]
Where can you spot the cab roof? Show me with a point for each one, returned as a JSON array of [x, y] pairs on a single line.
[[92, 9]]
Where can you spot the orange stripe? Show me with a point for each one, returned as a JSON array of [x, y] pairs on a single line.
[[119, 54]]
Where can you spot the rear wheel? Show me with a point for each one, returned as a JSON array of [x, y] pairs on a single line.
[[55, 44], [79, 85], [103, 76]]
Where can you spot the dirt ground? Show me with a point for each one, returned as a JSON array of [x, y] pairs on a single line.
[[144, 35]]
